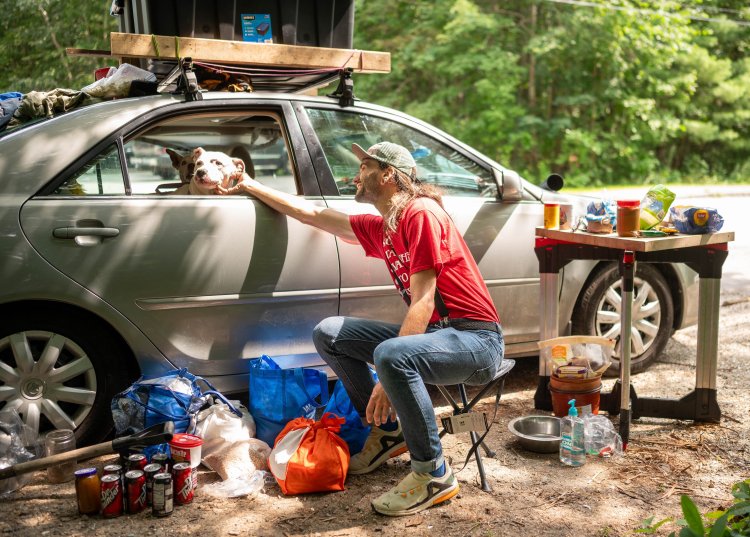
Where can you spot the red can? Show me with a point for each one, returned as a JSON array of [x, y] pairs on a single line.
[[150, 470], [111, 494], [137, 461], [183, 483], [161, 459], [112, 469], [135, 482]]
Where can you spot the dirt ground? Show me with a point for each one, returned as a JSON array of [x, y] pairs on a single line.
[[532, 494]]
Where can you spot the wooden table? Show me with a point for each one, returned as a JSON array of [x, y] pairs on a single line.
[[703, 253]]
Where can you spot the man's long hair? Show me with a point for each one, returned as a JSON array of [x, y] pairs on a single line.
[[409, 188]]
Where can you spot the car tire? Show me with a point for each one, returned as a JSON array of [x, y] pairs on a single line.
[[598, 313], [60, 371]]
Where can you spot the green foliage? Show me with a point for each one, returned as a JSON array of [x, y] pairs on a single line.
[[645, 93], [603, 96], [34, 35], [732, 522]]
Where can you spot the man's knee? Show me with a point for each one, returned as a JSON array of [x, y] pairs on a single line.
[[389, 356], [326, 331]]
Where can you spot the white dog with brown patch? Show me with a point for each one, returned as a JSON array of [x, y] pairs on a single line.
[[201, 171]]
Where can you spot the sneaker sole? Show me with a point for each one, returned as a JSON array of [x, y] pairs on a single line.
[[445, 496], [398, 449]]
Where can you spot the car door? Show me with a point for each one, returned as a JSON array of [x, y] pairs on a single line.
[[209, 279], [499, 233]]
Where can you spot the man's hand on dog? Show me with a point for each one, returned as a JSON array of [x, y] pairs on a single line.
[[245, 186]]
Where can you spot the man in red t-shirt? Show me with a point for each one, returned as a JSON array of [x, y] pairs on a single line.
[[450, 334]]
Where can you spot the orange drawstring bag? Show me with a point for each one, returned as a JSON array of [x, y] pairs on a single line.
[[308, 456]]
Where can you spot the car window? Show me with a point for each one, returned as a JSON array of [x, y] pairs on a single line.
[[159, 158], [437, 163], [101, 176]]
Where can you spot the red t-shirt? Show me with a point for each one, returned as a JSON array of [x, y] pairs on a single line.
[[426, 238]]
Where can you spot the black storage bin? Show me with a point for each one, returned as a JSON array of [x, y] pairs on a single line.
[[317, 23]]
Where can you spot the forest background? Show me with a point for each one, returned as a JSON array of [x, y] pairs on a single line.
[[605, 92]]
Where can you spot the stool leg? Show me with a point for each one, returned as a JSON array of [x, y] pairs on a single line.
[[474, 443], [480, 465]]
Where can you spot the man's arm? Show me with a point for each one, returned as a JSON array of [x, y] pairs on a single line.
[[417, 318], [298, 208], [422, 289]]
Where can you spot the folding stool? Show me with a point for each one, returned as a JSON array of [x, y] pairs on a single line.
[[466, 406]]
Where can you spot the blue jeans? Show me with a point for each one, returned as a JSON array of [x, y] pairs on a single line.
[[404, 365]]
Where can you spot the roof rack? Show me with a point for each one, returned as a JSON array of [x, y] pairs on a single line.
[[271, 67]]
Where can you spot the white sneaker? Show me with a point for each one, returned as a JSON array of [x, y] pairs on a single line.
[[417, 492], [379, 447]]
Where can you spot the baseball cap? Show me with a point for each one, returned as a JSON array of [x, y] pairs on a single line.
[[388, 153]]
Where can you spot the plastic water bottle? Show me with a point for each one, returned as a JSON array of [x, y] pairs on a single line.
[[572, 439]]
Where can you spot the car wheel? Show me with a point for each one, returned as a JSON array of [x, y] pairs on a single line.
[[598, 313], [60, 372]]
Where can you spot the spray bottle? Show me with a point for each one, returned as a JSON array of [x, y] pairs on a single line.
[[572, 440]]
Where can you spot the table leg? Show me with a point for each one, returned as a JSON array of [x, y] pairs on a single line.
[[548, 313], [627, 271]]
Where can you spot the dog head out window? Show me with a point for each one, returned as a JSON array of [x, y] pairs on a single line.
[[190, 155]]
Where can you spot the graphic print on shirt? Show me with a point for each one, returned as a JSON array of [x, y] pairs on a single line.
[[399, 268]]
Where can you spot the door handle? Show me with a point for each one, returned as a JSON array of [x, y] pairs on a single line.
[[73, 232]]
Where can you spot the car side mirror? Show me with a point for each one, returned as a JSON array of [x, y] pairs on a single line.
[[511, 186], [554, 182]]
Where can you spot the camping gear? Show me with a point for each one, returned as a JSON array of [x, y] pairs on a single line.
[[540, 434], [176, 396], [586, 392], [277, 395], [309, 456], [159, 433]]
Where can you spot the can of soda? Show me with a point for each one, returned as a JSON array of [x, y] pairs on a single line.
[[137, 461], [162, 503], [150, 470], [135, 482], [183, 483], [111, 493], [161, 459]]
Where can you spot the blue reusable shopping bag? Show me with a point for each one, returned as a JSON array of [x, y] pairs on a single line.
[[277, 395], [353, 431]]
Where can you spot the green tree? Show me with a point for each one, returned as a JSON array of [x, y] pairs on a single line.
[[34, 35]]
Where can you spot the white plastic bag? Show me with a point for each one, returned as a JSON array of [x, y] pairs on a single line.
[[117, 84], [219, 422]]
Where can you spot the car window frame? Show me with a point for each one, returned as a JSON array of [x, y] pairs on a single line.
[[325, 174], [307, 183]]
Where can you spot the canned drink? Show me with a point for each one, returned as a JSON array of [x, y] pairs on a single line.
[[163, 500], [135, 483], [137, 461], [150, 470], [183, 483], [112, 469], [161, 459], [111, 495]]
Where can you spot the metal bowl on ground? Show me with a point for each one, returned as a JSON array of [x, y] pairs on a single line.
[[537, 433]]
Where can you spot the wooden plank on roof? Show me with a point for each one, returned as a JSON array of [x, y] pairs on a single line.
[[242, 53]]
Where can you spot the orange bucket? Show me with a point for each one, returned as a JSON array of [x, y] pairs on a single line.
[[584, 391]]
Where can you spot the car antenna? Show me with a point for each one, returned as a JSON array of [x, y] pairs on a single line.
[[345, 90], [188, 83]]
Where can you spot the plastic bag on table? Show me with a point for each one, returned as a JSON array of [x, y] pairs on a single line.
[[601, 216], [600, 437], [18, 443], [589, 354]]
